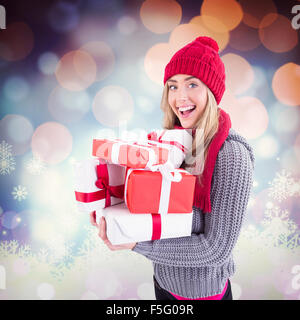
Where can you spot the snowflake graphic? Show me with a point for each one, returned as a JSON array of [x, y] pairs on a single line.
[[282, 186], [19, 193], [35, 165], [7, 161], [5, 149], [279, 228]]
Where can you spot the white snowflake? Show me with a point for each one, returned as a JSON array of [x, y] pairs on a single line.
[[7, 161], [279, 228], [5, 149], [35, 165], [19, 193], [282, 186]]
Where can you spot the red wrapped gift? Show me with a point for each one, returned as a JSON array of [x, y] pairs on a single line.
[[131, 154], [153, 192]]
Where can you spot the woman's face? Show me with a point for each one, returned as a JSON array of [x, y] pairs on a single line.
[[187, 97]]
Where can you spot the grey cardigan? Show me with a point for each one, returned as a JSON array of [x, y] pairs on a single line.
[[199, 265]]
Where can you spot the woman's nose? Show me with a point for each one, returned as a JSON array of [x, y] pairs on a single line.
[[182, 95]]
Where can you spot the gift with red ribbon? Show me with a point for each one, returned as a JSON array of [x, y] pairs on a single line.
[[124, 227], [98, 184], [147, 191]]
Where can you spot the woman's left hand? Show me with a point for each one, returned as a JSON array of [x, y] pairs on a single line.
[[103, 236]]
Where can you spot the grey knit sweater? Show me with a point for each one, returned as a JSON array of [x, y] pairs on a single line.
[[199, 265]]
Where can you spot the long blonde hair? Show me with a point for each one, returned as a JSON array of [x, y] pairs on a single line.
[[208, 125]]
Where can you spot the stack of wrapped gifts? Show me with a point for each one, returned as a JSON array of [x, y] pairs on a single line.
[[139, 187]]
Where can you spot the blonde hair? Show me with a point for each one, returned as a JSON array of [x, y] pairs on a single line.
[[208, 125]]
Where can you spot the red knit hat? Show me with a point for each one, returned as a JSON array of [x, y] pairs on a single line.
[[200, 59]]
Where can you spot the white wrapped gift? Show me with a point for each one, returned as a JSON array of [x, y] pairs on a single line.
[[177, 141], [124, 227], [94, 192]]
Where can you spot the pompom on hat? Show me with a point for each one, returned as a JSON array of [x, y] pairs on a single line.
[[200, 58]]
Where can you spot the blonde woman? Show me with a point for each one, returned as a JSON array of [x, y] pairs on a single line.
[[200, 266]]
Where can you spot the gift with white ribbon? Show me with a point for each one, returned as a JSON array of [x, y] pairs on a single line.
[[123, 227], [164, 146], [130, 154]]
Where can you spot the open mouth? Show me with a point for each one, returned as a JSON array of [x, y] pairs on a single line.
[[186, 111]]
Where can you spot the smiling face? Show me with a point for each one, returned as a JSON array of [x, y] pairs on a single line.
[[187, 97]]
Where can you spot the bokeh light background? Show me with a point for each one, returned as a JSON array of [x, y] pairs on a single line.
[[76, 70]]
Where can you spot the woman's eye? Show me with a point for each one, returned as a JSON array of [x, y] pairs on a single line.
[[172, 87], [192, 85]]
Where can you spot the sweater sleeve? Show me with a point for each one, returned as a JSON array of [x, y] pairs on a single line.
[[231, 187]]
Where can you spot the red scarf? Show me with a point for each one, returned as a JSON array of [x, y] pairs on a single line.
[[202, 193]]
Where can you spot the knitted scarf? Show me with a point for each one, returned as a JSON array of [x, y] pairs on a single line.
[[202, 192]]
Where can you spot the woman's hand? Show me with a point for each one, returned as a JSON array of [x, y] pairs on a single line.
[[103, 236]]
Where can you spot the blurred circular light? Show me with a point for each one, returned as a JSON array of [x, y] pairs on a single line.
[[228, 12], [76, 70], [16, 41], [160, 16], [17, 131], [47, 62], [277, 34], [105, 286], [16, 88], [286, 84], [252, 119], [267, 147], [255, 10], [239, 73], [102, 55], [52, 142], [185, 33], [248, 115], [127, 25], [285, 119], [156, 60], [68, 106], [219, 32], [112, 105], [9, 220], [45, 291]]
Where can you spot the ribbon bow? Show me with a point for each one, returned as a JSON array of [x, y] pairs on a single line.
[[154, 137], [103, 183]]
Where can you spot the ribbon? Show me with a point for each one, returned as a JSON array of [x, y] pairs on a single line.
[[116, 150], [106, 190], [89, 197], [103, 183], [156, 226], [154, 137]]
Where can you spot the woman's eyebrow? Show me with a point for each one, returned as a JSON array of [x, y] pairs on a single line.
[[189, 78], [186, 79]]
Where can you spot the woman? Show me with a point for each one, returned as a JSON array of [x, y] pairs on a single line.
[[199, 266]]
